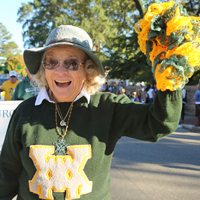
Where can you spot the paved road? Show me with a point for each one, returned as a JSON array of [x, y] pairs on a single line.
[[167, 170]]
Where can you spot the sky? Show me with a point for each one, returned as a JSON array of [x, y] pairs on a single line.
[[8, 17]]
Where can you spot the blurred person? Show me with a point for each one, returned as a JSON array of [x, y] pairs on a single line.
[[151, 93], [26, 88], [147, 98], [123, 91], [120, 86], [184, 102], [197, 104], [139, 95], [134, 96], [155, 89], [103, 88], [106, 84], [130, 95], [9, 86], [114, 88]]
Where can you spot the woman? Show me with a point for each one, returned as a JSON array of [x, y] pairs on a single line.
[[197, 104], [59, 145]]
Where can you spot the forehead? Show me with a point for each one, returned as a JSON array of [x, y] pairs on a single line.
[[65, 50]]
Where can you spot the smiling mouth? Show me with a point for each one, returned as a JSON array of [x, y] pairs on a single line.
[[62, 83]]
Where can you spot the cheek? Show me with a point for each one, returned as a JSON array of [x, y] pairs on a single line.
[[48, 76], [82, 77], [79, 80], [83, 74]]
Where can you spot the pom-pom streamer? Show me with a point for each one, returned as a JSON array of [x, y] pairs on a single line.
[[170, 39]]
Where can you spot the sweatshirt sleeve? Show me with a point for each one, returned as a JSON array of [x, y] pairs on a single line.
[[10, 164], [148, 122]]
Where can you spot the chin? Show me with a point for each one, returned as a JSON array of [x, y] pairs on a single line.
[[64, 98]]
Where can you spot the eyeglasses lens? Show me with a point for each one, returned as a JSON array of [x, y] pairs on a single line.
[[50, 62], [71, 64]]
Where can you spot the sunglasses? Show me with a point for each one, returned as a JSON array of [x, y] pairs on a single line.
[[72, 64]]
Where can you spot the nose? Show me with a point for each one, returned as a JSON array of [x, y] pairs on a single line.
[[61, 68]]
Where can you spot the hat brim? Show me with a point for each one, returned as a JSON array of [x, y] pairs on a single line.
[[32, 57]]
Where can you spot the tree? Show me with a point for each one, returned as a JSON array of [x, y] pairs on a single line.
[[126, 64], [16, 63], [8, 48], [192, 7], [103, 20], [40, 17], [109, 23], [126, 59]]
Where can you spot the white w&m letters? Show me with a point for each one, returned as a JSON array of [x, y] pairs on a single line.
[[60, 173]]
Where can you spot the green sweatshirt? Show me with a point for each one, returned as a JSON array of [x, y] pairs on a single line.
[[30, 168], [25, 90]]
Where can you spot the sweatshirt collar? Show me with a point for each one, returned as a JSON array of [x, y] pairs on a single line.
[[44, 95]]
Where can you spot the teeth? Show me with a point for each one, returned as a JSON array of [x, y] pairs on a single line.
[[62, 81]]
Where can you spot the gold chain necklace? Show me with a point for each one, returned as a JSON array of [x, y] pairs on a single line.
[[62, 122], [70, 112]]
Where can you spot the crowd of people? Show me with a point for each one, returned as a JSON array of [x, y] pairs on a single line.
[[146, 94], [139, 93]]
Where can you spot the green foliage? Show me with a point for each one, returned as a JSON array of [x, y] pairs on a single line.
[[16, 63], [8, 48], [128, 62], [103, 20], [41, 16], [109, 23], [192, 7]]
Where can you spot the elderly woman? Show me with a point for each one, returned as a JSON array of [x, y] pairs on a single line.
[[59, 145]]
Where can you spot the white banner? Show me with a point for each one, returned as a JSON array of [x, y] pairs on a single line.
[[6, 110]]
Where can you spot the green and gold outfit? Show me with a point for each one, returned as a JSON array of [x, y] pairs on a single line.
[[30, 168]]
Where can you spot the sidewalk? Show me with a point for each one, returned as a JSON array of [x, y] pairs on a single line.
[[189, 123]]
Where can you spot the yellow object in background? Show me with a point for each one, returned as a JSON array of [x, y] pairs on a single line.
[[3, 94]]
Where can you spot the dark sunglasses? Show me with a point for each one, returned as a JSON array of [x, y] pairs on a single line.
[[72, 64]]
